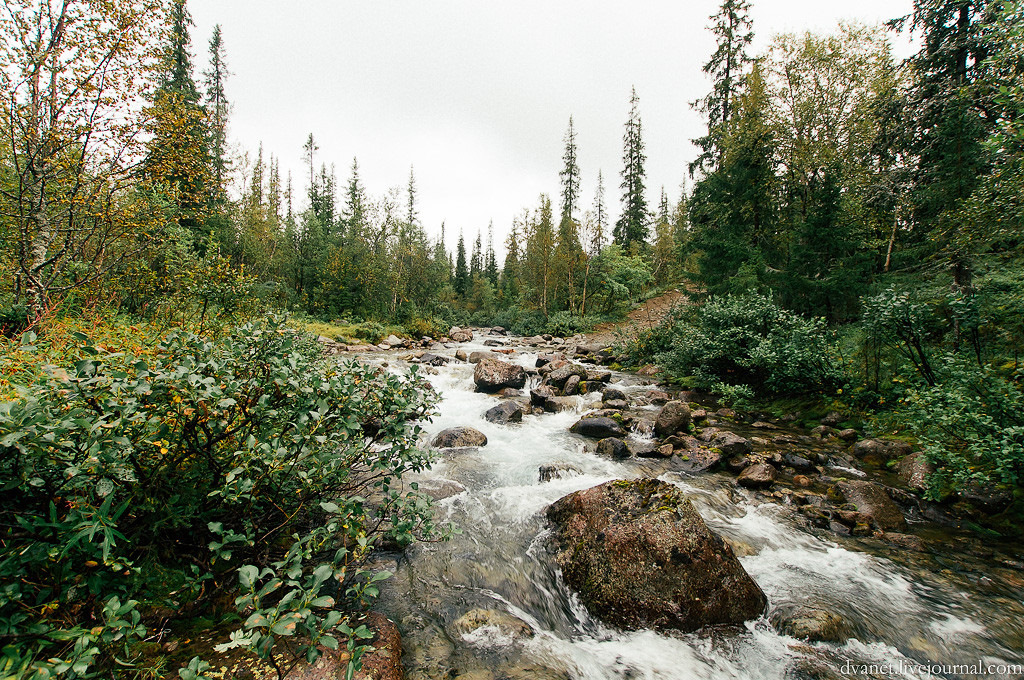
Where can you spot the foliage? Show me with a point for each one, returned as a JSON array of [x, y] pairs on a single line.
[[748, 341], [123, 464], [971, 425]]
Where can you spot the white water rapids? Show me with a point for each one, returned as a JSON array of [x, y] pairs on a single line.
[[902, 614]]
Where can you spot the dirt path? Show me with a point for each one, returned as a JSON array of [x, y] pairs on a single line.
[[649, 314]]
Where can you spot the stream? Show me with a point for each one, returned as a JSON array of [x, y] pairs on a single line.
[[912, 614]]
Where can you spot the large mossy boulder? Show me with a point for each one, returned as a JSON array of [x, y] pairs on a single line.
[[673, 417], [494, 375], [640, 556]]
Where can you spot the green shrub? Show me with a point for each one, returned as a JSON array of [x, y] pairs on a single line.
[[566, 324], [971, 424], [747, 340], [370, 330], [133, 481], [432, 328]]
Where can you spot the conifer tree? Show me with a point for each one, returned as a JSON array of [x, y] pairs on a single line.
[[491, 259], [461, 281], [631, 229], [570, 174], [218, 108]]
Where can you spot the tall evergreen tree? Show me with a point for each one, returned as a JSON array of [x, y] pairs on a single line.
[[734, 32], [570, 175], [461, 281], [476, 259], [356, 205], [600, 226], [218, 108], [631, 229], [491, 258]]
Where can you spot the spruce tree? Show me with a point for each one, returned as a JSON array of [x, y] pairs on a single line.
[[461, 281], [570, 174], [631, 229], [218, 108]]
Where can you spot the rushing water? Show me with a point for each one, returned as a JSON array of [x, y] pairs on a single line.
[[903, 609]]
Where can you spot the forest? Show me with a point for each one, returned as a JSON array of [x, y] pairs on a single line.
[[850, 235]]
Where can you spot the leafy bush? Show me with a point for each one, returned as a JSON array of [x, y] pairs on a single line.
[[971, 425], [432, 328], [132, 483], [371, 331], [747, 340], [565, 324]]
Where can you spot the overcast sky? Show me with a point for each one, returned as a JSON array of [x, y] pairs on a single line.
[[476, 95]]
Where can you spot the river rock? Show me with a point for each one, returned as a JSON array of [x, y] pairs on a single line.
[[572, 386], [559, 376], [505, 624], [504, 413], [492, 375], [539, 394], [459, 335], [509, 393], [880, 451], [673, 417], [598, 428], [872, 500], [559, 404], [640, 556], [615, 404], [700, 459], [832, 419], [612, 394], [757, 476], [914, 471], [598, 376], [613, 447], [848, 435], [461, 355], [439, 489], [477, 357], [550, 471], [731, 444], [798, 462], [494, 343], [459, 437], [814, 624]]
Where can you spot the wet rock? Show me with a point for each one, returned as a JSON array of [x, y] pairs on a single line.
[[872, 500], [848, 435], [494, 343], [906, 541], [559, 376], [881, 451], [989, 500], [545, 359], [539, 395], [615, 404], [798, 462], [613, 447], [731, 444], [813, 624], [823, 432], [477, 357], [737, 464], [503, 623], [659, 397], [757, 476], [559, 404], [433, 359], [572, 386], [700, 460], [492, 375], [510, 393], [504, 413], [612, 394], [673, 417], [640, 556], [598, 428], [914, 471], [459, 335], [393, 341], [681, 442], [596, 376], [698, 415], [802, 481], [461, 355], [459, 437], [762, 425], [550, 471], [439, 489], [726, 413]]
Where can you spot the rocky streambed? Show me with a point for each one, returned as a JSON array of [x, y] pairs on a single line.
[[861, 577]]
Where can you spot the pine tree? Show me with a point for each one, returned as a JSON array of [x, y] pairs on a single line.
[[733, 28], [491, 259], [461, 281], [411, 214], [570, 174], [631, 229], [600, 227], [355, 214], [218, 108], [663, 254]]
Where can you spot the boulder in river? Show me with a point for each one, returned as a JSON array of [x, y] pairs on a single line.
[[506, 625], [872, 500], [559, 404], [559, 376], [815, 624], [550, 471], [613, 447], [598, 428], [673, 417], [730, 444], [881, 451], [459, 437], [459, 335], [757, 476], [492, 375], [640, 556], [504, 413]]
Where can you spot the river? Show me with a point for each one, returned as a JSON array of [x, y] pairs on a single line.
[[905, 609]]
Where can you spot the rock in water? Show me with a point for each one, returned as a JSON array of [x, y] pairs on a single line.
[[492, 375], [504, 413], [613, 447], [759, 476], [673, 417], [550, 471], [599, 428], [459, 437], [641, 557], [872, 500]]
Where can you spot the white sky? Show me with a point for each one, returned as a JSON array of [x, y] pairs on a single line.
[[476, 95]]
